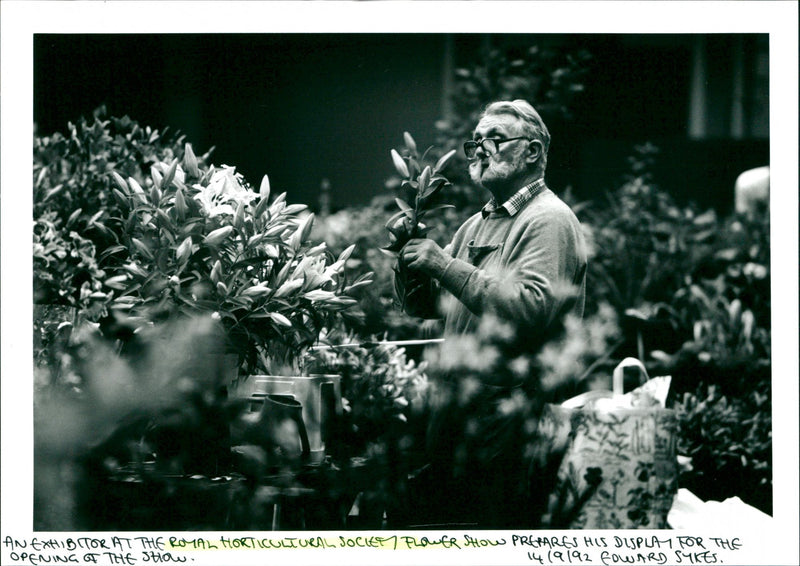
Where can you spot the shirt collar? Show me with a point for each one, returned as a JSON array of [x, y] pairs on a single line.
[[518, 200]]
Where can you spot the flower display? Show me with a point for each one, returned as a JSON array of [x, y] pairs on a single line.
[[199, 241]]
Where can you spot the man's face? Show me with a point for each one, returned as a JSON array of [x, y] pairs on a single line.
[[506, 168]]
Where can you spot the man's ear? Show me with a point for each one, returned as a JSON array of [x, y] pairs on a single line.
[[534, 151]]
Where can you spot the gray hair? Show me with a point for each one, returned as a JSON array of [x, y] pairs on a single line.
[[532, 123]]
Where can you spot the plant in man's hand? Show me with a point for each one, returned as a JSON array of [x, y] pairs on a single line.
[[423, 183]]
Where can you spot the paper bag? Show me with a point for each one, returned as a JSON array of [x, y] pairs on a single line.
[[619, 470]]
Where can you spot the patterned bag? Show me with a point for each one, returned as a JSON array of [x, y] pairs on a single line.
[[620, 467]]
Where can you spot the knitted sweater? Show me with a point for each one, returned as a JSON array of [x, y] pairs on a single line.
[[529, 268]]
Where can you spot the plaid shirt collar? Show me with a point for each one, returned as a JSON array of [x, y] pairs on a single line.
[[517, 200]]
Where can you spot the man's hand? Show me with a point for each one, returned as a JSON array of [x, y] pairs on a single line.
[[425, 256]]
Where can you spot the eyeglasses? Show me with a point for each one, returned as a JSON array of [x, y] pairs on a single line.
[[490, 145]]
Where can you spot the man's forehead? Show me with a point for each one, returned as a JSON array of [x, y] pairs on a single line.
[[501, 123]]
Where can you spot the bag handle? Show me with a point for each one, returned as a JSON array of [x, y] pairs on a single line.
[[618, 378]]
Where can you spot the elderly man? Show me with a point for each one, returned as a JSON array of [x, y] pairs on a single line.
[[522, 259]]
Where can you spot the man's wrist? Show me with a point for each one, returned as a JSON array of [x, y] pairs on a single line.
[[448, 263], [439, 267]]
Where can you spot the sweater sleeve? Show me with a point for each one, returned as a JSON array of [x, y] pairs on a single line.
[[536, 278]]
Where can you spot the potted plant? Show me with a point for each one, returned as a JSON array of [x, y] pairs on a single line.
[[158, 235]]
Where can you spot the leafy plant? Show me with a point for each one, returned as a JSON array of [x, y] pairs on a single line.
[[729, 439], [207, 242], [157, 232], [424, 184], [72, 198], [364, 226], [381, 387], [645, 244]]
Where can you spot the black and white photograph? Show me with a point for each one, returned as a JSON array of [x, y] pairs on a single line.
[[373, 288]]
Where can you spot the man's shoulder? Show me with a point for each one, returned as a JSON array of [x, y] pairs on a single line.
[[547, 205]]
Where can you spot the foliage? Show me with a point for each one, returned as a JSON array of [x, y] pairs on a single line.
[[381, 388], [181, 237], [644, 244], [695, 288], [423, 185], [728, 437], [73, 192], [154, 411], [363, 226], [210, 243]]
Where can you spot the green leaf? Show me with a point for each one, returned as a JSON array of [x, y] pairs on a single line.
[[393, 219], [73, 217], [434, 208], [122, 200], [53, 192], [404, 206], [112, 250], [436, 186], [96, 217]]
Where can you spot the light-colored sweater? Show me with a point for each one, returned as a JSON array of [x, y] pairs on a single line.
[[529, 268]]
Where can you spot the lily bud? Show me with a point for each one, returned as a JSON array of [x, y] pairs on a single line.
[[190, 161], [263, 191], [215, 271], [120, 182], [218, 236], [399, 163]]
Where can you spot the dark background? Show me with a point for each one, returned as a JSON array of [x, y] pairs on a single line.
[[305, 107]]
